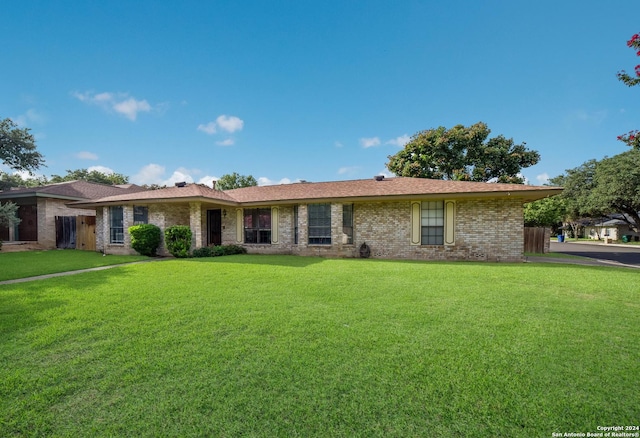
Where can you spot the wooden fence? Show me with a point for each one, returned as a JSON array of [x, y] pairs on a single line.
[[537, 240], [77, 232]]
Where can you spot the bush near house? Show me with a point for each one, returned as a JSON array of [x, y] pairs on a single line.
[[145, 239], [178, 240], [218, 250]]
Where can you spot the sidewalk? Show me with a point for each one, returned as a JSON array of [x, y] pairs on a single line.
[[79, 271]]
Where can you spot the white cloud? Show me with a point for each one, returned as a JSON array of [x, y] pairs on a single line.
[[225, 123], [101, 169], [30, 117], [84, 155], [543, 178], [369, 142], [209, 128], [121, 103], [208, 180], [264, 181], [177, 176], [348, 170], [229, 123], [131, 107], [149, 174], [399, 141], [338, 144]]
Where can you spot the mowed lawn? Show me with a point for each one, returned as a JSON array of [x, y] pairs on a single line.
[[291, 346], [32, 263]]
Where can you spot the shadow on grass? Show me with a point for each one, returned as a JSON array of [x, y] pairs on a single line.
[[292, 261]]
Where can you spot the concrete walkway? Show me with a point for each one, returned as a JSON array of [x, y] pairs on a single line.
[[79, 271]]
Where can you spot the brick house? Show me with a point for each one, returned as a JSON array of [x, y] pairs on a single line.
[[399, 218], [44, 213]]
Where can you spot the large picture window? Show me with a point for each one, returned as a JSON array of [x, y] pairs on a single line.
[[257, 225], [432, 222], [116, 224], [319, 224]]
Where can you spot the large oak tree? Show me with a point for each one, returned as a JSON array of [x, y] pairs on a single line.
[[463, 153], [18, 147]]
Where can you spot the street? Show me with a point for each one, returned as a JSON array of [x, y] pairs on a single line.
[[628, 255]]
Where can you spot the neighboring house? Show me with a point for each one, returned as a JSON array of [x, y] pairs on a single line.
[[46, 218], [408, 218], [613, 228]]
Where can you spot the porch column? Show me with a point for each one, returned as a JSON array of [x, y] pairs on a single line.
[[195, 222]]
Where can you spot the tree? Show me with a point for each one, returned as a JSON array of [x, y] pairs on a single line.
[[547, 212], [632, 138], [235, 181], [18, 147], [462, 153], [616, 187], [577, 184], [91, 176], [8, 214], [602, 188], [8, 180]]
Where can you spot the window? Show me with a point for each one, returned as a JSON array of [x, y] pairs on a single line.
[[140, 215], [347, 223], [295, 224], [319, 224], [116, 225], [257, 225], [432, 222]]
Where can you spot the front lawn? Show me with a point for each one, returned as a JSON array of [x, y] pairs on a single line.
[[31, 263], [296, 346]]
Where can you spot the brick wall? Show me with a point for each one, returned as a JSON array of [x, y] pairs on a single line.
[[485, 230]]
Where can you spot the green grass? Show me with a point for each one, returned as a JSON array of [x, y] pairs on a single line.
[[31, 263], [554, 255], [294, 346]]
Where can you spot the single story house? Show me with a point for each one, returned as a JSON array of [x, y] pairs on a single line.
[[612, 228], [400, 218], [46, 218]]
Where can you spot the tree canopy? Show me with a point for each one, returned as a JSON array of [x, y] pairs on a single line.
[[632, 138], [8, 215], [462, 153], [602, 188], [18, 147], [91, 176], [235, 181]]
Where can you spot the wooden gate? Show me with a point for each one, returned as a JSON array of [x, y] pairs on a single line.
[[65, 232], [536, 239], [86, 233]]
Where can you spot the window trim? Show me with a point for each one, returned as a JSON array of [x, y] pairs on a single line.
[[136, 215], [260, 230], [322, 233], [116, 233], [348, 225]]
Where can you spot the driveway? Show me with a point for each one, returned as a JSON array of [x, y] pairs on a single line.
[[623, 254]]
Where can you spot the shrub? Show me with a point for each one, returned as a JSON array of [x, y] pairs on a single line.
[[178, 240], [220, 250], [145, 239]]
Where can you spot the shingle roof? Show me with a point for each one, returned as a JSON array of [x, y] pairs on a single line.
[[399, 187], [72, 190], [168, 194], [363, 189]]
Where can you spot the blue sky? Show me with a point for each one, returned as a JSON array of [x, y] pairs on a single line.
[[166, 91]]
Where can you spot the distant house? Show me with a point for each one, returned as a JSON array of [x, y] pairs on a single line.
[[45, 216], [401, 218], [613, 228]]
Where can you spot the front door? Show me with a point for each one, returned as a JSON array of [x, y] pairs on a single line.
[[214, 227]]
